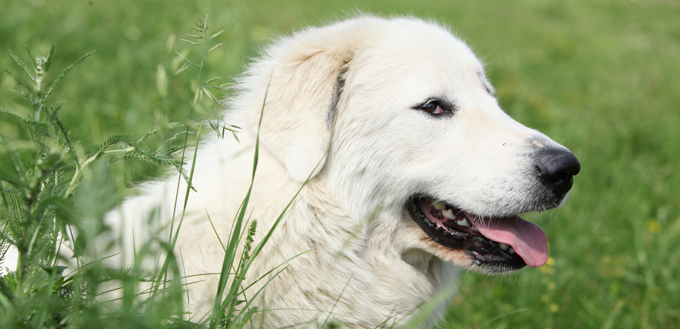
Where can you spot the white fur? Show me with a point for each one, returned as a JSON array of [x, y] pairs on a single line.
[[369, 261]]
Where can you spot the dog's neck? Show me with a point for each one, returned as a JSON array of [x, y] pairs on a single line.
[[357, 270]]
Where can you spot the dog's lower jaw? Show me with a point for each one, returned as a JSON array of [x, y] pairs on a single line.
[[437, 270], [440, 273]]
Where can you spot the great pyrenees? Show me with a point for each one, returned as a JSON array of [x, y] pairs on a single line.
[[414, 173]]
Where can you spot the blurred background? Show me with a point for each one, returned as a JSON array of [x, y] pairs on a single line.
[[601, 77]]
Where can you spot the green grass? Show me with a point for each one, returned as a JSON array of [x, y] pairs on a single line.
[[601, 77]]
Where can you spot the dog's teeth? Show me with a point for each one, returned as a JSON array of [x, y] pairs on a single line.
[[511, 251], [463, 222], [504, 246], [475, 229], [438, 205], [448, 213]]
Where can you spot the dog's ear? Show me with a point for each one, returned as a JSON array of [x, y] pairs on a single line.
[[304, 83]]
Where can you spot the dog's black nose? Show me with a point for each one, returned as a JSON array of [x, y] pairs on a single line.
[[557, 168]]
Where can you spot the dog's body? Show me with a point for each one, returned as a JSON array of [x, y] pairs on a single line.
[[385, 117]]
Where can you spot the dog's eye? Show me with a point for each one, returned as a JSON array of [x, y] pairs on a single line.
[[433, 107], [436, 107]]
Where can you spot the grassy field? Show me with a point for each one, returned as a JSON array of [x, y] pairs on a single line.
[[601, 77]]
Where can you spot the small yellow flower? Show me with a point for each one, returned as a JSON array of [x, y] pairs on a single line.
[[653, 226], [550, 262], [554, 308], [551, 285], [545, 298], [547, 270]]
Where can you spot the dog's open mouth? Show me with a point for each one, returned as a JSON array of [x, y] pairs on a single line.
[[510, 242]]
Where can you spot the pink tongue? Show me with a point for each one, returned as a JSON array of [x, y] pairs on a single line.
[[526, 238]]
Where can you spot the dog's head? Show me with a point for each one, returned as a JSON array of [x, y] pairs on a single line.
[[397, 115]]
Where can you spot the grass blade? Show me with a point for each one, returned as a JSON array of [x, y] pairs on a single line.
[[50, 55], [20, 64], [215, 35], [215, 47]]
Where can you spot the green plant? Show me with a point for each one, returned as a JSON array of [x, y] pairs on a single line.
[[46, 167], [53, 187]]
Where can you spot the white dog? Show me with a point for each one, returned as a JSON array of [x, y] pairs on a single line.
[[415, 172]]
